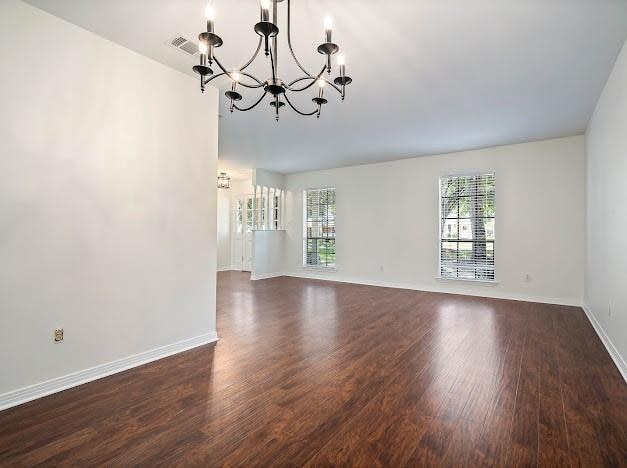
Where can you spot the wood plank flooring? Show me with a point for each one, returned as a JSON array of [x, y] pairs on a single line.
[[313, 373]]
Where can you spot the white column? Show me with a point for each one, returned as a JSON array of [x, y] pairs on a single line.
[[254, 208], [272, 219]]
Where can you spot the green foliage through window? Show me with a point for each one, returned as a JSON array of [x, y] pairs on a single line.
[[319, 227], [467, 221]]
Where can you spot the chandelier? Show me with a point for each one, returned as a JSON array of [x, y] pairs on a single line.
[[274, 86], [224, 181]]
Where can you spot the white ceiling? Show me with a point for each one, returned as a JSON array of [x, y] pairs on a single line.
[[430, 76]]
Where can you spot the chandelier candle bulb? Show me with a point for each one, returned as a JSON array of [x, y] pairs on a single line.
[[265, 10], [210, 15], [202, 48], [328, 27], [236, 77], [341, 61]]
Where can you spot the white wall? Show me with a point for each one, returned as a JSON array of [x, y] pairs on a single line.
[[387, 214], [268, 245], [224, 229], [268, 248], [268, 179], [241, 187], [606, 213], [107, 219]]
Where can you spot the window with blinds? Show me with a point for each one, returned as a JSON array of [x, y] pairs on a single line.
[[319, 227], [467, 214]]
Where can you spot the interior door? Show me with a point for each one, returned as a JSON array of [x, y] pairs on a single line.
[[242, 244], [248, 235], [237, 243]]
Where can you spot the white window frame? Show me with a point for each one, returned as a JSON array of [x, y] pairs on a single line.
[[439, 228], [304, 264]]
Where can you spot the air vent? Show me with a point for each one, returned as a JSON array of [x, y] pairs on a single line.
[[182, 43]]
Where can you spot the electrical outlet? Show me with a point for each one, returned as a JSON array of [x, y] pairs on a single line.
[[528, 278], [58, 335], [609, 309], [381, 268]]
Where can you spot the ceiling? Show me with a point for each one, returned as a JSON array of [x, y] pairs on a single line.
[[430, 76]]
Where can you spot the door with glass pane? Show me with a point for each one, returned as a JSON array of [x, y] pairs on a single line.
[[242, 233], [248, 235]]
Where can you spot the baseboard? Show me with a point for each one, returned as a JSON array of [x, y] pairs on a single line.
[[607, 342], [32, 392], [486, 292], [255, 277], [225, 268]]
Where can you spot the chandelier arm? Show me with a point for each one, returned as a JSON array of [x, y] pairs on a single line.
[[213, 77], [289, 41], [253, 77], [315, 111], [244, 73], [244, 109], [313, 78], [245, 85], [254, 55]]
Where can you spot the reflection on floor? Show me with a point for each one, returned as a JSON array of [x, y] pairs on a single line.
[[319, 373]]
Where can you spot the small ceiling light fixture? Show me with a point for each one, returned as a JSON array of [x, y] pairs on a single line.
[[224, 181], [275, 86]]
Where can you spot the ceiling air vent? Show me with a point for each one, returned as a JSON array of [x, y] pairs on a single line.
[[182, 43]]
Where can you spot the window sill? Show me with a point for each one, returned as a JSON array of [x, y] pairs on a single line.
[[328, 269], [468, 280]]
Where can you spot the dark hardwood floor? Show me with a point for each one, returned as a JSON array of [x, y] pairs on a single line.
[[318, 373]]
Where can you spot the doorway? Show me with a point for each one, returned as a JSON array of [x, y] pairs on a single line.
[[242, 245]]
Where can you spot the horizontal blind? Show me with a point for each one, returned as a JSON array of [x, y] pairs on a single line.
[[319, 227], [467, 221]]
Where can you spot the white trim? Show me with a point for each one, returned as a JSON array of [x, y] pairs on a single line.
[[32, 392], [330, 268], [468, 280], [607, 342], [440, 225], [320, 268], [228, 268], [255, 277], [445, 290]]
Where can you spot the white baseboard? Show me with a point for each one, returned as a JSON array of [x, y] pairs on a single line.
[[485, 290], [607, 342], [225, 268], [32, 392], [255, 277]]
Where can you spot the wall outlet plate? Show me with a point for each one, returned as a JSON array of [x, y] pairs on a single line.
[[58, 335]]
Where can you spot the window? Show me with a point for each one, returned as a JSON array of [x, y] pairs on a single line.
[[467, 215], [258, 220], [239, 218], [276, 203], [249, 214], [319, 227]]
